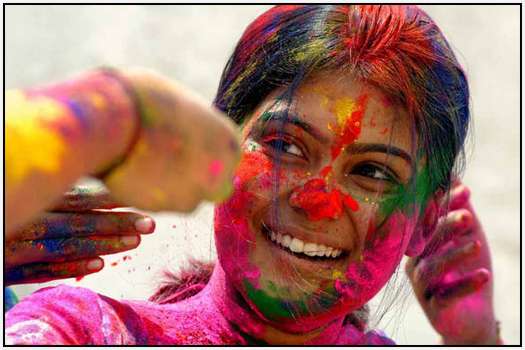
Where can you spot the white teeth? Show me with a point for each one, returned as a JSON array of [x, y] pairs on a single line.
[[321, 249], [287, 240], [328, 251], [310, 249], [298, 246]]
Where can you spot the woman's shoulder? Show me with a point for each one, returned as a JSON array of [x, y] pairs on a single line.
[[194, 320], [377, 337], [72, 315]]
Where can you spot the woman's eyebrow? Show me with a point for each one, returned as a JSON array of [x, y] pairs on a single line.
[[290, 118], [379, 148]]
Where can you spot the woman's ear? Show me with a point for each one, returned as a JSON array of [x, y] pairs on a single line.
[[425, 227]]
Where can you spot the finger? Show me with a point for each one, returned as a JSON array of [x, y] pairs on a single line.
[[44, 272], [459, 195], [83, 198], [62, 249], [449, 292], [455, 223], [64, 225], [432, 267]]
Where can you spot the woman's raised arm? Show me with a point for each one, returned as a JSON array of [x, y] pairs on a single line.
[[155, 145]]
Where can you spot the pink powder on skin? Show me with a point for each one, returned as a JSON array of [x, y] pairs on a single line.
[[215, 168], [382, 254]]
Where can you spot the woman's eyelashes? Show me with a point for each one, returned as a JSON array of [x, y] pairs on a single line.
[[281, 145], [374, 171]]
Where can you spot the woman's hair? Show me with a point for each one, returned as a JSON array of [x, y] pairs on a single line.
[[397, 48]]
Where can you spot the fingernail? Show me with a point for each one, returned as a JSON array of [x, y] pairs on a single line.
[[473, 246], [145, 225], [465, 192], [481, 278], [95, 264], [463, 220], [130, 240]]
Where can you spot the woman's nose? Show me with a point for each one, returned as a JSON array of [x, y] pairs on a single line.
[[318, 202]]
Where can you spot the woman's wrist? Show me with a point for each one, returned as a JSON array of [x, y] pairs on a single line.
[[136, 123]]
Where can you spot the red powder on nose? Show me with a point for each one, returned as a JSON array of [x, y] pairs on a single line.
[[320, 204], [350, 203], [325, 171]]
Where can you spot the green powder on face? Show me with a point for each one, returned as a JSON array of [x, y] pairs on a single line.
[[408, 197], [271, 307], [276, 308]]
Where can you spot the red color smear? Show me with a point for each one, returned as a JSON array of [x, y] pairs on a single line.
[[384, 131], [350, 202], [215, 168], [173, 226], [326, 170], [351, 129], [126, 257], [252, 164], [320, 204], [78, 278], [114, 263]]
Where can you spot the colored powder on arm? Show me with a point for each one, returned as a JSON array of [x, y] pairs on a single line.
[[215, 168], [30, 144]]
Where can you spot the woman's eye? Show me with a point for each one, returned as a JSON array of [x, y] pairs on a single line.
[[374, 171], [283, 146]]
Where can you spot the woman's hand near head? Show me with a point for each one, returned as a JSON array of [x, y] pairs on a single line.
[[69, 240], [452, 278]]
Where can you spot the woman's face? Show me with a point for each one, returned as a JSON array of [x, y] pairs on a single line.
[[320, 215]]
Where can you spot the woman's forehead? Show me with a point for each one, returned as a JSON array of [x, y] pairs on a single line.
[[326, 101]]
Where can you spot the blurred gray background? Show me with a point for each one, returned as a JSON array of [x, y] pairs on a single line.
[[192, 43]]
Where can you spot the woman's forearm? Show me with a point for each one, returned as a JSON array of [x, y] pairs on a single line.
[[58, 133]]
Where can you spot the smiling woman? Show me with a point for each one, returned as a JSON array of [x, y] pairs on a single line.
[[352, 120]]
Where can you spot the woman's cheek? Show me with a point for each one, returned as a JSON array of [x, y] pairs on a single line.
[[234, 231], [382, 252]]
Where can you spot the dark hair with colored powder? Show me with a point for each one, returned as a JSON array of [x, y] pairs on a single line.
[[398, 49]]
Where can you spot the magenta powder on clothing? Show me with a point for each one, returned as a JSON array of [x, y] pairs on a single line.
[[78, 316]]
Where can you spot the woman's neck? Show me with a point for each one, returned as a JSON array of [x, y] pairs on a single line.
[[235, 310]]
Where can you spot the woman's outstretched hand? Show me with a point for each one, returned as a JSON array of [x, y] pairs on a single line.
[[452, 278], [68, 241], [186, 151]]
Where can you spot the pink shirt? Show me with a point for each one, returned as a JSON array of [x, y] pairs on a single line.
[[78, 316]]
